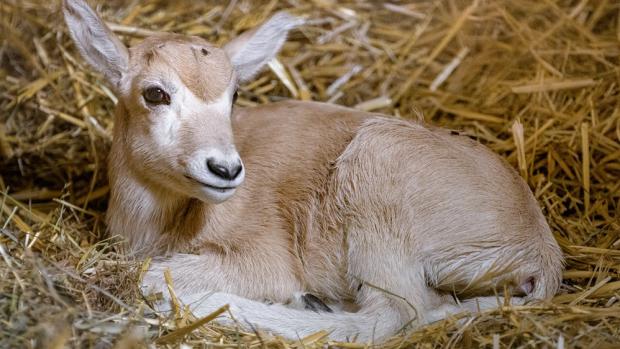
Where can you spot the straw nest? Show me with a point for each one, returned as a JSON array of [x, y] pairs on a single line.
[[537, 81]]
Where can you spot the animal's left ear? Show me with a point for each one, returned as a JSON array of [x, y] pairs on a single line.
[[250, 51]]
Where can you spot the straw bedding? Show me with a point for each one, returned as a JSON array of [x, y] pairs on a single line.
[[535, 80]]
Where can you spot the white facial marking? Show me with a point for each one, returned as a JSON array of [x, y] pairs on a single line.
[[185, 105], [211, 139], [207, 183], [166, 127], [222, 105]]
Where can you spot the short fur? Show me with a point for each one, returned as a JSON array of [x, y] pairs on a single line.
[[393, 215]]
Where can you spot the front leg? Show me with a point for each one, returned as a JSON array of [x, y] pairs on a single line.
[[247, 276], [208, 281]]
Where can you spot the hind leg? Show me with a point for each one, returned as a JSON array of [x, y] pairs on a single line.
[[478, 274], [401, 282], [390, 276], [416, 303], [471, 306]]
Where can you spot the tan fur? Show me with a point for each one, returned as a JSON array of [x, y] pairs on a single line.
[[394, 215], [206, 74]]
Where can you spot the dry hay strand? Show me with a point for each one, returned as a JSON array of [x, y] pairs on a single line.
[[537, 81]]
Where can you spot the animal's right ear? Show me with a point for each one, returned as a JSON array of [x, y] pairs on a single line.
[[95, 41]]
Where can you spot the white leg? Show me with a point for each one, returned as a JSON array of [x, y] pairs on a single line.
[[205, 283], [471, 306], [290, 323]]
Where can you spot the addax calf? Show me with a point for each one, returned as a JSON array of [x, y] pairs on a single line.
[[244, 205]]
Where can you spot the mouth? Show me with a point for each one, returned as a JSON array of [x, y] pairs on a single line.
[[210, 186]]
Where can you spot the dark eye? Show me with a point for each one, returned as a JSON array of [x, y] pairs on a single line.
[[235, 96], [155, 95]]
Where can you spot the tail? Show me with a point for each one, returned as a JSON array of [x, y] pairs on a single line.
[[550, 264]]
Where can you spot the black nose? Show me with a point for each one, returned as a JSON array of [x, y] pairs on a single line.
[[225, 171]]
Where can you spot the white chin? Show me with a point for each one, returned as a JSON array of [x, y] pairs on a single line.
[[213, 195]]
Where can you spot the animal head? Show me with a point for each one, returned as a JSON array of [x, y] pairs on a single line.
[[176, 94]]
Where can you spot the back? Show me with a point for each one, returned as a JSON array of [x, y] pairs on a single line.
[[455, 202]]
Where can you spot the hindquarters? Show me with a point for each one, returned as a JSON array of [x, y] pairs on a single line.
[[453, 209]]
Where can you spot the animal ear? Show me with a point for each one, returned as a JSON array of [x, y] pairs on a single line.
[[250, 51], [95, 41]]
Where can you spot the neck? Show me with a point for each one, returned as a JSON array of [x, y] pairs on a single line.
[[153, 220]]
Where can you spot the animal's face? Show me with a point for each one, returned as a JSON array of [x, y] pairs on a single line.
[[175, 98], [178, 93]]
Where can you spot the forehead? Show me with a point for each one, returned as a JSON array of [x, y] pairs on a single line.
[[205, 69]]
